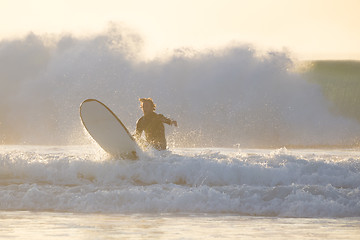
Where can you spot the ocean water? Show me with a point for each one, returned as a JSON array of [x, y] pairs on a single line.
[[267, 146], [186, 193]]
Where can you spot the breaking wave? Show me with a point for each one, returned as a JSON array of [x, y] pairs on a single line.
[[220, 97]]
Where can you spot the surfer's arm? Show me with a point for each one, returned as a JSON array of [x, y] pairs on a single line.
[[173, 123], [139, 129], [168, 120]]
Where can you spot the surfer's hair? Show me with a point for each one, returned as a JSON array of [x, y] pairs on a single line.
[[149, 100]]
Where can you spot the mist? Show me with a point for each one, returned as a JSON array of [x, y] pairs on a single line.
[[220, 97]]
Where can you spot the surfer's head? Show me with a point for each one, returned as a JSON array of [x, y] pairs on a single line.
[[147, 105]]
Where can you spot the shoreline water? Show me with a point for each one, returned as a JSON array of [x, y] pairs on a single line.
[[54, 225]]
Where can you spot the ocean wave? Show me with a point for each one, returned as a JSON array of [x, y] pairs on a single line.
[[273, 183]]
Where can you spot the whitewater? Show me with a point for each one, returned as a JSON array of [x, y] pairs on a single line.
[[193, 193], [280, 183]]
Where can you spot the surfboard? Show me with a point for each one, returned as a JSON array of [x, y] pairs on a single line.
[[107, 130]]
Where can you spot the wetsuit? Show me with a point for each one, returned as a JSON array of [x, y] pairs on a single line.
[[153, 126]]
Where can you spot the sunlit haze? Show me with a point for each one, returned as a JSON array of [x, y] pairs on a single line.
[[257, 119], [309, 29]]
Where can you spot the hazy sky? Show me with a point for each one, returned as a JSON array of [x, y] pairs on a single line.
[[310, 29]]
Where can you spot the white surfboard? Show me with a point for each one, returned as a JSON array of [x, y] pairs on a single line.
[[107, 130]]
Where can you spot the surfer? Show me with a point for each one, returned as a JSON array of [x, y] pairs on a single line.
[[152, 124]]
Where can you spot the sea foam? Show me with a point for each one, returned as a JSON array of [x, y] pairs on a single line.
[[266, 183]]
